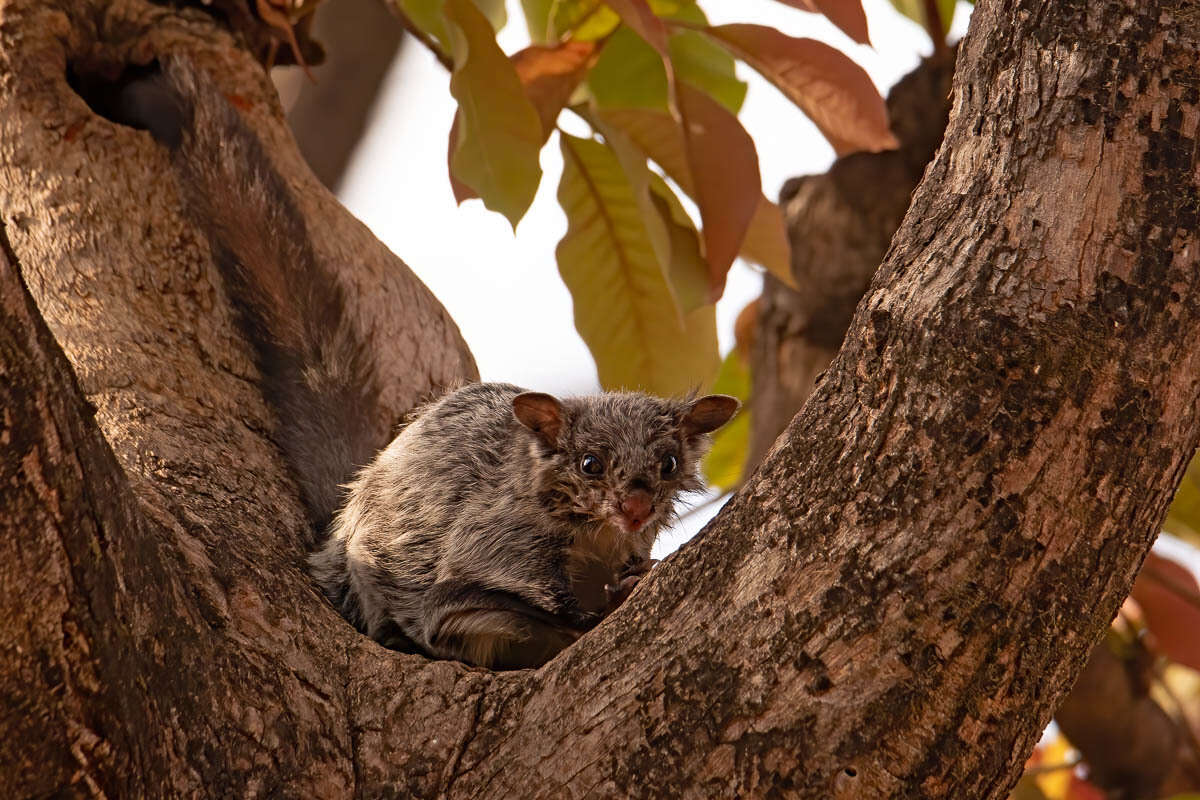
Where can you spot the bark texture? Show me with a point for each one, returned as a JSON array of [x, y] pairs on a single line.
[[891, 607], [840, 224]]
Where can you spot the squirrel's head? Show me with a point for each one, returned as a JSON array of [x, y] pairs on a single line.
[[621, 457]]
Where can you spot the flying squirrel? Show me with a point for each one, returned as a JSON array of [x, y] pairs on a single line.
[[499, 524]]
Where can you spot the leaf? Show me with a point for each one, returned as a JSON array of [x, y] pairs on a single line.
[[537, 19], [658, 135], [708, 67], [669, 228], [686, 270], [767, 243], [1183, 517], [550, 76], [915, 10], [726, 461], [629, 73], [585, 20], [846, 14], [831, 89], [427, 15], [638, 15], [1162, 589], [498, 133], [724, 168], [623, 306]]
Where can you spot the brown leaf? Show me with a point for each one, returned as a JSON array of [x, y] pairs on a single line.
[[831, 89], [1170, 601], [724, 167], [638, 15], [846, 14], [550, 75]]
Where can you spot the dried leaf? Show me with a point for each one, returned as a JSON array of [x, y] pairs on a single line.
[[724, 168], [550, 75], [638, 15], [846, 14], [831, 89], [497, 132], [623, 305], [1170, 601]]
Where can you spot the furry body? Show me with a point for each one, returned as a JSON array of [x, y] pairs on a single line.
[[467, 502]]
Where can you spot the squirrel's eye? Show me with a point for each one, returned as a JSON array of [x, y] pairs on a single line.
[[669, 465], [590, 465]]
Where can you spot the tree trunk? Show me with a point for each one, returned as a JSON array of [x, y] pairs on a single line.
[[892, 606]]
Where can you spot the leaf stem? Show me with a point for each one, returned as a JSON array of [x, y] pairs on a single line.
[[934, 26], [421, 36]]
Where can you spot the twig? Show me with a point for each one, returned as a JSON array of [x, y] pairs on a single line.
[[421, 36], [935, 27], [1042, 769]]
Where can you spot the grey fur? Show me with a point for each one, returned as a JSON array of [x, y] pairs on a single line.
[[467, 501]]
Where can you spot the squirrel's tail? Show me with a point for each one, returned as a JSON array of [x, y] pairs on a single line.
[[316, 371]]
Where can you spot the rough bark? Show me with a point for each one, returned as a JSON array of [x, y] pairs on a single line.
[[892, 606], [361, 39], [839, 224]]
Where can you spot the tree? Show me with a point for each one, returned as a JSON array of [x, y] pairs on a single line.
[[893, 604]]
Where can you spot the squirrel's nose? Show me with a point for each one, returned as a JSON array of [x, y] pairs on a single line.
[[636, 508]]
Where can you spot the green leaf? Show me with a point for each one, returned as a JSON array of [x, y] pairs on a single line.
[[708, 67], [585, 20], [657, 135], [1183, 517], [915, 10], [686, 270], [427, 15], [670, 230], [498, 133], [537, 19], [726, 461], [623, 305], [495, 12], [628, 74]]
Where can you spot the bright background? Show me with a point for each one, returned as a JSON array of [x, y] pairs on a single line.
[[502, 289]]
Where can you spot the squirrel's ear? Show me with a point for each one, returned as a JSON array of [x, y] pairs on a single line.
[[709, 413], [541, 413]]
